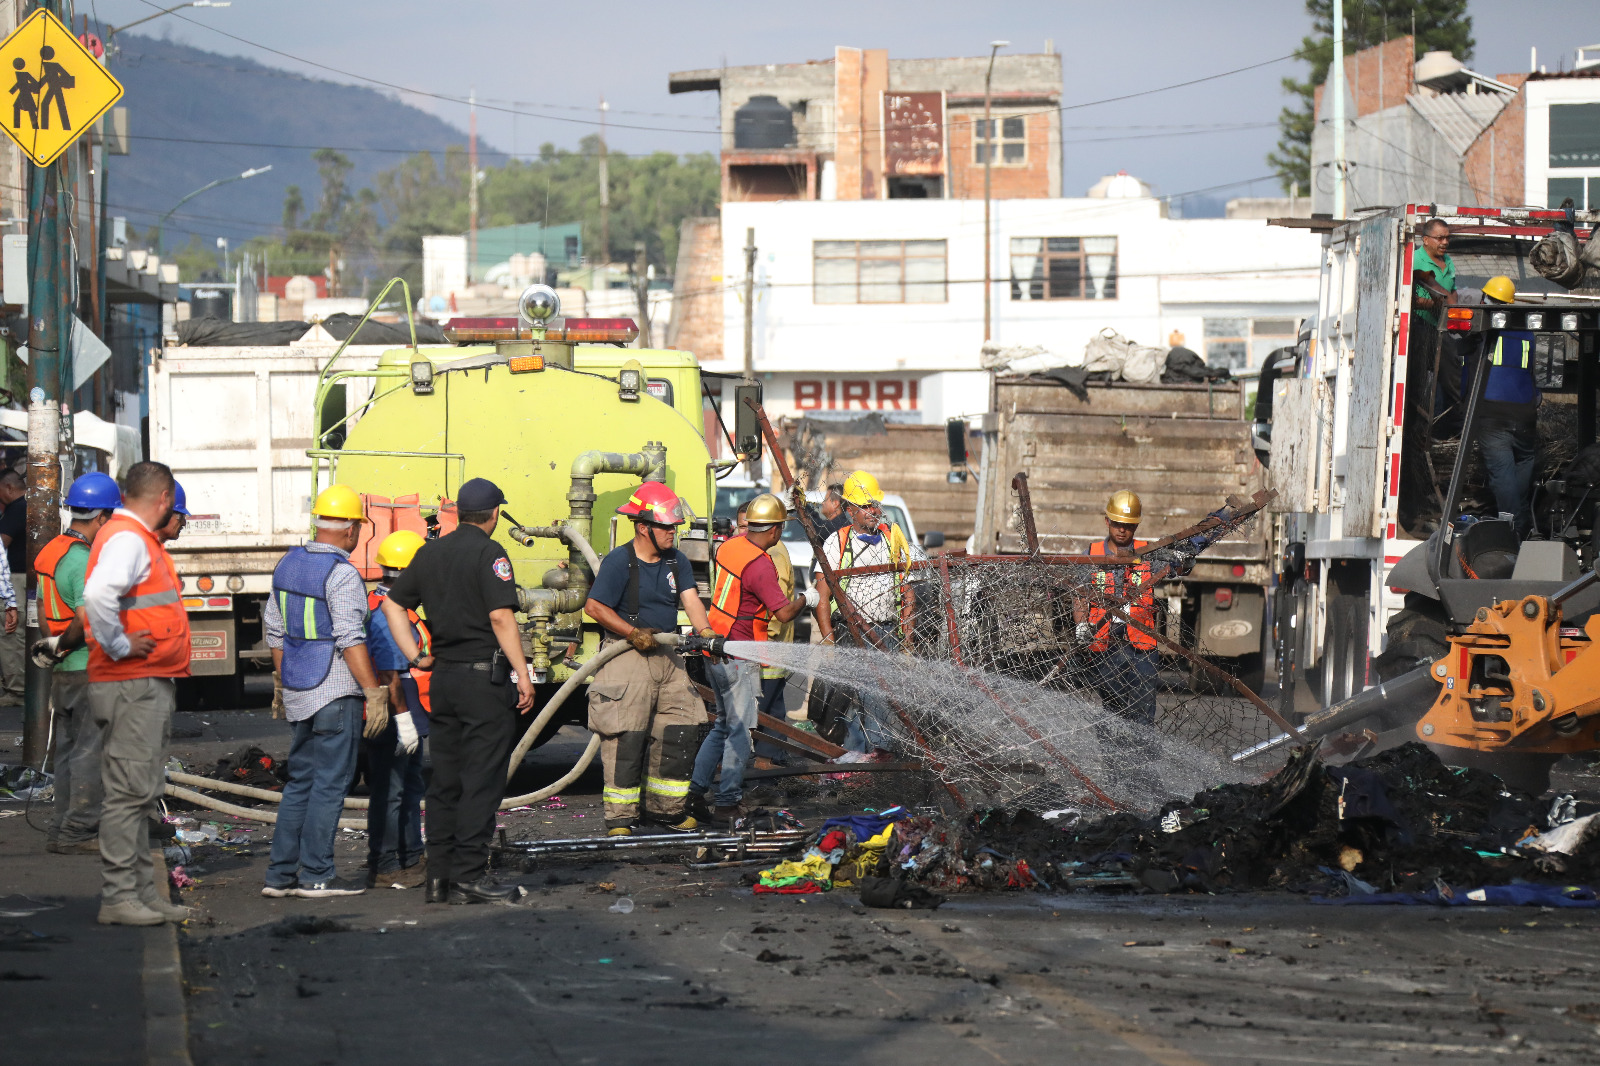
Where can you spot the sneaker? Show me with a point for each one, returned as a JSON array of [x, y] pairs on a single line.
[[278, 891], [129, 912], [77, 847], [172, 912], [681, 823], [334, 886]]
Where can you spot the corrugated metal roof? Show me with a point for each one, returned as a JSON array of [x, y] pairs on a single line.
[[1459, 117]]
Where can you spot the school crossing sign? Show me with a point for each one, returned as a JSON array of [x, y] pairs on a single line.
[[57, 87]]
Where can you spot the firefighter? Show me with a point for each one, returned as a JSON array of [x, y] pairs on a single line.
[[138, 634], [642, 704], [886, 602], [1507, 427], [1123, 657], [395, 756], [315, 624], [746, 600], [61, 567]]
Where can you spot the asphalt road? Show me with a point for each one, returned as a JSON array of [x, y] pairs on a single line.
[[703, 971]]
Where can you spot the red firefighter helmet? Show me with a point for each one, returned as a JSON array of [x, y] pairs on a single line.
[[653, 502]]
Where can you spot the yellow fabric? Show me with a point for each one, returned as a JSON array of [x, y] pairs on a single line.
[[816, 868], [399, 548], [338, 501], [861, 488], [899, 547], [783, 631]]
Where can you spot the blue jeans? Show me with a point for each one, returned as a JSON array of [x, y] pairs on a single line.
[[738, 687], [1510, 449], [395, 791], [322, 763], [865, 730]]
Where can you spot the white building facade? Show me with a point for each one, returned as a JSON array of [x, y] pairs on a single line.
[[877, 305]]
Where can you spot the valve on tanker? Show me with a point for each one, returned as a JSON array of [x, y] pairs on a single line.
[[538, 304]]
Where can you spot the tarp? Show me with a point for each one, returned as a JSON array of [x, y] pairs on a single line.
[[342, 325], [220, 333]]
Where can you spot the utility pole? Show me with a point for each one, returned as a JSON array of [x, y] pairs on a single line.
[[988, 165], [472, 184], [750, 306], [1338, 110], [50, 301], [605, 191], [641, 288]]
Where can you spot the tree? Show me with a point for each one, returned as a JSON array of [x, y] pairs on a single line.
[[294, 204], [334, 170], [1438, 25]]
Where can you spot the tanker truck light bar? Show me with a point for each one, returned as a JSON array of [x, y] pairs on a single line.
[[523, 363], [1535, 320], [422, 377], [596, 331], [1498, 320], [1569, 323], [1458, 318]]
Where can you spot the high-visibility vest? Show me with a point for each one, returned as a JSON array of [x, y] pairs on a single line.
[[733, 558], [1118, 584], [54, 611], [1510, 381], [423, 678], [900, 560], [154, 604]]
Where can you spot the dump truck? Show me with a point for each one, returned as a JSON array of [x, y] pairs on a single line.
[[1378, 567], [1183, 448], [562, 416]]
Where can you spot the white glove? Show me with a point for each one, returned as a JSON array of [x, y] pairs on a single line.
[[44, 652], [1084, 632], [813, 597], [408, 733]]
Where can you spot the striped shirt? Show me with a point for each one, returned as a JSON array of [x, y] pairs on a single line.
[[347, 605]]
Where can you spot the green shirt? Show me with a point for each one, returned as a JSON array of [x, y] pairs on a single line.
[[70, 573], [1445, 276]]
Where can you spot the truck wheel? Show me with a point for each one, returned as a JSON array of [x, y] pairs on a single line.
[[1342, 670], [1417, 633]]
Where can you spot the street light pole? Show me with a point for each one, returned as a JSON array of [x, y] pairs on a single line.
[[112, 31], [988, 165], [161, 227]]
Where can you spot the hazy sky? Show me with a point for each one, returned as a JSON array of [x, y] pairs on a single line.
[[558, 59]]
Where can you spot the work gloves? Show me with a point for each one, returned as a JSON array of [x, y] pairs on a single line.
[[408, 733], [377, 711], [44, 652], [813, 597], [278, 710], [643, 639], [1084, 632]]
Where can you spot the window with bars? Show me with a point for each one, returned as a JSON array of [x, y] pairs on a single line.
[[1007, 142], [1063, 268], [878, 272]]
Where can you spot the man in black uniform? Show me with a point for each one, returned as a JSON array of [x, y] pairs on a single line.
[[464, 584]]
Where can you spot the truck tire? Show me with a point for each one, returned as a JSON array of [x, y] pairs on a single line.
[[1417, 633], [1342, 670]]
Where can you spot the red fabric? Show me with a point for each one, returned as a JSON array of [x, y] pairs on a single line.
[[758, 588], [799, 888]]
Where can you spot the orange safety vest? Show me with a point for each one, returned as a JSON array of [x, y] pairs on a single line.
[[733, 558], [423, 678], [54, 610], [154, 604], [1113, 584]]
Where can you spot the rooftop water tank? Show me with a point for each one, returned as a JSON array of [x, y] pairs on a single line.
[[763, 122]]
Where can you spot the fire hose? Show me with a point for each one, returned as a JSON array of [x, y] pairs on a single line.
[[537, 726]]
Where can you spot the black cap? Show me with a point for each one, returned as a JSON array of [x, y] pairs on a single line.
[[479, 494]]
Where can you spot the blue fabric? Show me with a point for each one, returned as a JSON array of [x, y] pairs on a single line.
[[302, 575], [381, 648], [865, 826], [1511, 382], [1510, 449], [659, 587], [394, 816], [737, 685], [1489, 896], [864, 729], [322, 763], [419, 717]]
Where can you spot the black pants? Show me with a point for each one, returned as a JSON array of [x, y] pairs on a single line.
[[469, 739]]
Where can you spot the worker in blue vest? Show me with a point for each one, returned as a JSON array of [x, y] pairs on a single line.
[[1506, 421]]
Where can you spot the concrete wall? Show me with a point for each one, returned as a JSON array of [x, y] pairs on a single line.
[[1396, 157], [1173, 274]]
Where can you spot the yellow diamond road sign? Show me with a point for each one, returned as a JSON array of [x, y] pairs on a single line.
[[58, 89]]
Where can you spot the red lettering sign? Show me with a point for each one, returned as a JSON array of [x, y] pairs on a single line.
[[858, 392], [808, 395], [890, 394]]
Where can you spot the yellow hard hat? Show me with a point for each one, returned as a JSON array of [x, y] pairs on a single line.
[[338, 501], [766, 510], [399, 548], [1500, 288], [861, 488], [1123, 507]]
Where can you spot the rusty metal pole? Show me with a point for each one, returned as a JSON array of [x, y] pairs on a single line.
[[1030, 530]]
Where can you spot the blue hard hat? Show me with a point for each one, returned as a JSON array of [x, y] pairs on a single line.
[[180, 502], [94, 492]]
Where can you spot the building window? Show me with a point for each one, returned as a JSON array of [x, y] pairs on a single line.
[[878, 272], [1561, 188], [1227, 342], [1008, 141], [1267, 335], [1574, 135], [1063, 268]]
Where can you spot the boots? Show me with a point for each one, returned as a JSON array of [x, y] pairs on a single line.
[[437, 890], [482, 890]]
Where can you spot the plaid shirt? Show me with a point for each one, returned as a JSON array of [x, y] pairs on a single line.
[[347, 604]]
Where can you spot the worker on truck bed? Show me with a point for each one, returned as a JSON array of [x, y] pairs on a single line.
[[1506, 420], [1122, 655], [746, 599], [642, 704], [1433, 365], [886, 601], [61, 566]]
